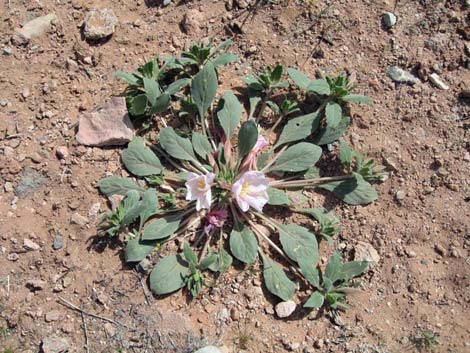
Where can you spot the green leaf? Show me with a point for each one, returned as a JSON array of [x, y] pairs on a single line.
[[277, 197], [247, 137], [189, 254], [152, 90], [333, 113], [128, 77], [353, 269], [149, 205], [118, 186], [176, 146], [357, 98], [140, 160], [229, 113], [354, 191], [177, 86], [169, 275], [132, 207], [204, 88], [161, 228], [276, 74], [297, 158], [298, 243], [208, 261], [201, 144], [224, 59], [161, 104], [329, 223], [254, 97], [316, 301], [333, 268], [262, 159], [299, 78], [276, 280], [320, 87], [299, 128], [136, 250], [222, 263], [310, 272], [311, 173], [138, 105], [331, 134], [345, 153], [243, 245]]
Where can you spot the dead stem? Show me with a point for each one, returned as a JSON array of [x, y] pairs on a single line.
[[274, 159], [308, 182]]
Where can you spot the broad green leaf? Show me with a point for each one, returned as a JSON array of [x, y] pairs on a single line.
[[204, 88], [169, 275], [189, 254], [201, 144], [333, 268], [243, 245], [316, 301], [357, 98], [345, 153], [299, 128], [299, 78], [149, 205], [331, 134], [310, 272], [354, 191], [262, 159], [176, 146], [276, 280], [140, 160], [298, 243], [161, 104], [229, 113], [138, 105], [320, 87], [277, 197], [208, 261], [128, 77], [333, 113], [224, 59], [152, 90], [132, 207], [161, 228], [254, 99], [329, 223], [247, 137], [222, 263], [224, 45], [136, 250], [353, 269], [276, 74], [177, 86], [118, 186], [311, 173], [297, 158]]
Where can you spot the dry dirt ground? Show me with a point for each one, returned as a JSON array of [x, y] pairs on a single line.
[[422, 281]]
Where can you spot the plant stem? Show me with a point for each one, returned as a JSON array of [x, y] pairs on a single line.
[[263, 105], [167, 157], [206, 245], [271, 162], [281, 116], [308, 182]]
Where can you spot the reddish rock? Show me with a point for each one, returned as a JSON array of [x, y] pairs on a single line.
[[108, 125]]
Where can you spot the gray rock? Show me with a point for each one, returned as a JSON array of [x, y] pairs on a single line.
[[192, 21], [77, 218], [30, 245], [7, 51], [13, 256], [400, 195], [53, 315], [208, 349], [401, 76], [8, 187], [58, 242], [109, 125], [437, 81], [29, 182], [145, 265], [55, 344], [365, 252], [37, 27], [389, 19], [99, 24], [62, 152], [285, 309]]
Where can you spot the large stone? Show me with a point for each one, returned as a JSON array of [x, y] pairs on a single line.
[[108, 125], [29, 182], [37, 27], [30, 245], [55, 344], [99, 24], [208, 349], [365, 252], [285, 309], [399, 75]]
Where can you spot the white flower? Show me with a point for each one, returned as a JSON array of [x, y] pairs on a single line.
[[199, 189], [251, 190]]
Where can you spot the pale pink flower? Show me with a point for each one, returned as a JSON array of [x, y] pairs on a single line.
[[199, 189], [215, 219], [250, 160], [251, 191], [260, 144]]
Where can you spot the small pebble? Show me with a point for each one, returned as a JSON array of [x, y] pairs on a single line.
[[389, 19], [437, 81]]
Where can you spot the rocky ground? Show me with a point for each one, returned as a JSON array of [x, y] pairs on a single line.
[[414, 63]]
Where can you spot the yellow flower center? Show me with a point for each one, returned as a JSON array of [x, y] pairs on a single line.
[[245, 189], [201, 184]]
